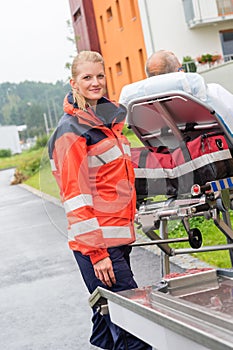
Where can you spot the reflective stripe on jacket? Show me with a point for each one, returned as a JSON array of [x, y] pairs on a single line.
[[91, 162]]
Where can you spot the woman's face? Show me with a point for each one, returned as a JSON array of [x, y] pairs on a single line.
[[90, 81]]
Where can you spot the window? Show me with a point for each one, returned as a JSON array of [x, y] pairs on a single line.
[[128, 69], [119, 14], [133, 10], [111, 81], [102, 28], [109, 14], [118, 68], [141, 60], [77, 14], [226, 37]]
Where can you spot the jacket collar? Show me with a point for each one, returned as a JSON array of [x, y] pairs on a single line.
[[106, 113]]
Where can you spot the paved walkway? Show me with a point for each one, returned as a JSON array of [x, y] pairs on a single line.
[[43, 301]]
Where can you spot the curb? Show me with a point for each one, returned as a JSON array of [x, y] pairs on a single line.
[[42, 195]]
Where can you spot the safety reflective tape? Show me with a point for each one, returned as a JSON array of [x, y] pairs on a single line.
[[182, 169], [230, 182], [105, 157], [126, 149], [77, 202], [142, 173], [53, 166], [214, 186], [82, 227], [222, 184], [86, 226], [116, 231]]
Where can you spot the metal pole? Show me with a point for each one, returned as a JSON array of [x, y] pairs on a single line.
[[227, 220], [55, 111], [164, 258], [46, 124]]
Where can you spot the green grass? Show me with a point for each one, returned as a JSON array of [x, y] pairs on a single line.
[[44, 181], [211, 235], [20, 160]]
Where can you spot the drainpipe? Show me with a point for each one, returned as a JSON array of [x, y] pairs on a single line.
[[146, 25], [149, 26]]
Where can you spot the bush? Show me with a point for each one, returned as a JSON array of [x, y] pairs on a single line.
[[4, 153], [209, 58], [40, 142], [27, 167]]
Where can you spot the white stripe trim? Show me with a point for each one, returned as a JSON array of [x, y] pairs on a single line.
[[78, 202], [126, 149], [82, 227], [225, 183], [105, 157], [184, 168], [218, 185], [53, 166], [116, 231]]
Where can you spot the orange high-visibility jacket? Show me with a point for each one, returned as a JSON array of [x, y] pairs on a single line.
[[91, 162]]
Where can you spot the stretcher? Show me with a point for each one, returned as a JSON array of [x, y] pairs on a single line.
[[183, 170], [186, 160]]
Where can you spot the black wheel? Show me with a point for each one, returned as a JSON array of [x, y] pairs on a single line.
[[195, 238]]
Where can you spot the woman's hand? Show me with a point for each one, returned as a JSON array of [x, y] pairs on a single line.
[[104, 271]]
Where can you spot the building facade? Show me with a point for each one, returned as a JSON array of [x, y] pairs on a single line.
[[120, 37], [188, 27], [84, 24], [126, 32]]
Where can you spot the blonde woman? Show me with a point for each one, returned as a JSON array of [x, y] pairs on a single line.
[[91, 162]]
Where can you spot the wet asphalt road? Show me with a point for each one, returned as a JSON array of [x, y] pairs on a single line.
[[43, 301]]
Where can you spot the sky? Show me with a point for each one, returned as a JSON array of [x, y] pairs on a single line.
[[33, 40]]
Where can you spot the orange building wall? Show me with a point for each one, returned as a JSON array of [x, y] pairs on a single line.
[[121, 41]]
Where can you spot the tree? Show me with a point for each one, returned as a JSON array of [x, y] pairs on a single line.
[[25, 103], [73, 39]]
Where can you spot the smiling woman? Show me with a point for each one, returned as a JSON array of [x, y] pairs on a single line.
[[35, 46], [88, 78], [91, 162]]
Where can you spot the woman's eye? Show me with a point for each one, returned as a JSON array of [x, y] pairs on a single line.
[[87, 77]]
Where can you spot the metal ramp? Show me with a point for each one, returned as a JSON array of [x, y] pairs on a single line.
[[197, 321]]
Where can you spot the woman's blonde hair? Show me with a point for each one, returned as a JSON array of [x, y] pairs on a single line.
[[83, 56]]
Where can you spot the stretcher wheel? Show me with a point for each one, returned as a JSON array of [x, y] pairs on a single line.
[[195, 238]]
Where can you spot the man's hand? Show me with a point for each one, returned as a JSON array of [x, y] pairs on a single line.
[[104, 271]]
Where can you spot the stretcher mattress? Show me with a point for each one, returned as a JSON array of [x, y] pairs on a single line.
[[185, 143]]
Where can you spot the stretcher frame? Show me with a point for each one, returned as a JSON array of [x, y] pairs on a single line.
[[214, 200]]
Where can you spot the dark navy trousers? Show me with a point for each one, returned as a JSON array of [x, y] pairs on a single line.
[[105, 334]]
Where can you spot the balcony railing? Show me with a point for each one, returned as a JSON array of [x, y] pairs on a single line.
[[205, 12], [225, 7]]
